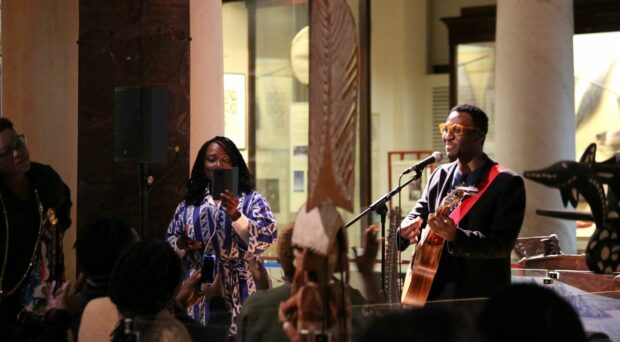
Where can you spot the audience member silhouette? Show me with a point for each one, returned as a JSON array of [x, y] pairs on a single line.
[[529, 312], [258, 320], [437, 322], [143, 285], [154, 263], [98, 245]]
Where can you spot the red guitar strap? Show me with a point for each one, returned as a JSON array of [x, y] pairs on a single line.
[[462, 210]]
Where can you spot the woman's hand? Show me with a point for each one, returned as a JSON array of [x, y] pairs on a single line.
[[215, 289], [56, 294], [184, 242], [230, 202], [188, 294], [192, 290]]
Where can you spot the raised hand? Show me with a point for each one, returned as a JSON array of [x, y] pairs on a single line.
[[213, 290], [56, 295], [230, 202], [189, 294], [365, 262], [192, 290]]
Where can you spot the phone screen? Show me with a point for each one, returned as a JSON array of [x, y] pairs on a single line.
[[224, 179], [209, 268]]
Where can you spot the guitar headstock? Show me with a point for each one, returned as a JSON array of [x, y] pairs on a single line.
[[456, 196]]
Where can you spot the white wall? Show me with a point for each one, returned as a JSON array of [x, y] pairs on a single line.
[[398, 83], [39, 87]]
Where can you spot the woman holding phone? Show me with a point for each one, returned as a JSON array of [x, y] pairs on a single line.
[[233, 229]]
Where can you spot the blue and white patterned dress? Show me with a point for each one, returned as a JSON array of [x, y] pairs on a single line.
[[210, 225]]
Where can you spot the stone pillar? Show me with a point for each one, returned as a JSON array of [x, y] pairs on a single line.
[[40, 89], [206, 73], [535, 120]]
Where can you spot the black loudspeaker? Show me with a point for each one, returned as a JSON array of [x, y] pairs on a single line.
[[140, 116]]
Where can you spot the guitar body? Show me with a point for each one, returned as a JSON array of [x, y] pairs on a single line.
[[422, 270], [425, 260]]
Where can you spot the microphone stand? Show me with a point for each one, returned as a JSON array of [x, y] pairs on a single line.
[[380, 207], [145, 184]]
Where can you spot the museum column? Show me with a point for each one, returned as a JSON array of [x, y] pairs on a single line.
[[206, 73], [535, 120]]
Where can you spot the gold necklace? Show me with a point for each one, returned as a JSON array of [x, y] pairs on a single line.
[[6, 246]]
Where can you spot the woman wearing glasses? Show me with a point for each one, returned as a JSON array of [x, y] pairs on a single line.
[[475, 261], [35, 207]]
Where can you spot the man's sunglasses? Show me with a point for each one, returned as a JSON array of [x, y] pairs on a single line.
[[455, 129]]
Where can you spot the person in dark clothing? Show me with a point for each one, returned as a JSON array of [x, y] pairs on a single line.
[[143, 285], [529, 312], [98, 245], [432, 323], [475, 261], [36, 206]]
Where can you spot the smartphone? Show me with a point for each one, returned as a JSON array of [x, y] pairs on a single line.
[[224, 179], [208, 268]]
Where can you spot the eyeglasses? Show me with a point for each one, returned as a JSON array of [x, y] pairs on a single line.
[[19, 143], [455, 129]]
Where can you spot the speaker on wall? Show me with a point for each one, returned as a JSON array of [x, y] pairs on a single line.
[[140, 116]]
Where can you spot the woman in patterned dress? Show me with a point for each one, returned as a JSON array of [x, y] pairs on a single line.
[[236, 228]]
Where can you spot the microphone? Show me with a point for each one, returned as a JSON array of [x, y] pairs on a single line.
[[433, 158]]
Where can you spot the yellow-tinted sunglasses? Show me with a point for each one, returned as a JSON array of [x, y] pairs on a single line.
[[455, 129]]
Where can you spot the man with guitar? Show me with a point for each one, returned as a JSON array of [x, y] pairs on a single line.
[[481, 231]]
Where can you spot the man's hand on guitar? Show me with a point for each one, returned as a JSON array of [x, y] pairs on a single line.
[[411, 232], [443, 226]]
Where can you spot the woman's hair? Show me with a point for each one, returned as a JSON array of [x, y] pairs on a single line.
[[145, 278], [285, 249], [6, 124], [198, 181]]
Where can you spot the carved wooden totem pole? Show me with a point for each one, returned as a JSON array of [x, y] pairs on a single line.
[[319, 308]]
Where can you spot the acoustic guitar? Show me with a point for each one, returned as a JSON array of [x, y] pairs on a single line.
[[425, 259]]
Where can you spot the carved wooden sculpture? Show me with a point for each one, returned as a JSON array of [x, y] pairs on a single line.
[[334, 89], [319, 305], [586, 178]]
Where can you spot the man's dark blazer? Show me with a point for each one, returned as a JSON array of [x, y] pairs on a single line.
[[477, 262]]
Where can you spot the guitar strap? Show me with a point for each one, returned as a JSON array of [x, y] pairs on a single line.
[[457, 214]]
